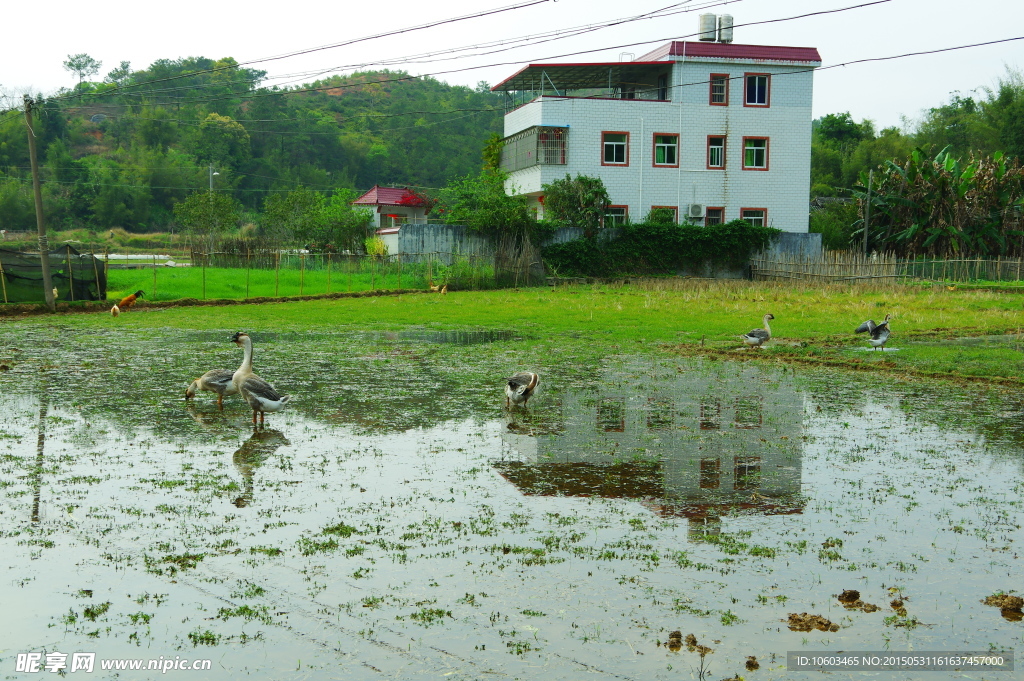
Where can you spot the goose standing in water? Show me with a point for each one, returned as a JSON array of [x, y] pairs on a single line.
[[220, 381], [759, 337], [878, 333], [260, 395], [520, 387]]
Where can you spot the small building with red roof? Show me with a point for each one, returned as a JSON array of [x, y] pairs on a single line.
[[392, 207]]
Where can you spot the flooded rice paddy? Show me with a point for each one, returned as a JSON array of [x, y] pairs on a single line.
[[647, 517]]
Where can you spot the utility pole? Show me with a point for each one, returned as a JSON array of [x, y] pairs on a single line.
[[44, 247], [867, 211]]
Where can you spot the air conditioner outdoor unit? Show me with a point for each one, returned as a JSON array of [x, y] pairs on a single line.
[[695, 210]]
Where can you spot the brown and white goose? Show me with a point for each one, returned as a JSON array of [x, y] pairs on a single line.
[[258, 394], [759, 337], [878, 333], [220, 381], [520, 387]]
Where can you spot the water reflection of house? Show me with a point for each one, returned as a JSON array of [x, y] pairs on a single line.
[[697, 444]]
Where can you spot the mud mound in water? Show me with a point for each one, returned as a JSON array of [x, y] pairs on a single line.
[[806, 622], [1010, 607], [850, 599]]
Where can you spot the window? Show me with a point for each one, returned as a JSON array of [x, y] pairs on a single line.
[[659, 414], [663, 214], [615, 149], [615, 216], [749, 412], [755, 216], [755, 153], [710, 473], [666, 149], [714, 216], [746, 472], [719, 89], [710, 413], [611, 415], [663, 87], [756, 90], [716, 152]]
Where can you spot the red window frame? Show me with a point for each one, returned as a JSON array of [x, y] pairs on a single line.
[[615, 132], [763, 210], [654, 150], [767, 90], [767, 154], [721, 217], [711, 89], [625, 213], [707, 154], [674, 209]]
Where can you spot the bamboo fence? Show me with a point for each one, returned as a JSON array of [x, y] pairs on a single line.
[[846, 267]]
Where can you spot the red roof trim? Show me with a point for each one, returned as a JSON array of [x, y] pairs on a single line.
[[735, 51]]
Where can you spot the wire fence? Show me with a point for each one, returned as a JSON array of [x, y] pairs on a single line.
[[845, 267], [283, 273]]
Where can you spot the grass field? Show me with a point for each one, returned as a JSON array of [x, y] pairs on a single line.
[[175, 283], [812, 325]]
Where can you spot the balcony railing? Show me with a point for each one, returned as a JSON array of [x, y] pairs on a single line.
[[538, 145]]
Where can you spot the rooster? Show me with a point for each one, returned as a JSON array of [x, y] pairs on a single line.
[[126, 303]]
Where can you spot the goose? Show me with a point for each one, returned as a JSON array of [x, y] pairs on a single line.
[[520, 387], [260, 395], [218, 381], [759, 337], [879, 333]]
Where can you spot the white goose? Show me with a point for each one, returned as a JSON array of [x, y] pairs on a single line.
[[879, 333], [220, 381], [520, 387], [260, 395], [759, 337]]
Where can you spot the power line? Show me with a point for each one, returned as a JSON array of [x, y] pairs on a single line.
[[257, 95], [345, 43], [422, 58]]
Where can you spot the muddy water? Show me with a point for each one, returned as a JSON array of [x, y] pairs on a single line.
[[396, 522]]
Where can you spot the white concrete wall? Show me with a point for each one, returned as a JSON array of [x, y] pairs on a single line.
[[782, 189]]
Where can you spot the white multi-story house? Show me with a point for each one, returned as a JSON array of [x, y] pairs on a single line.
[[713, 131]]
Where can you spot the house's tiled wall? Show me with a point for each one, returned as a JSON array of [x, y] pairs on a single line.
[[782, 189]]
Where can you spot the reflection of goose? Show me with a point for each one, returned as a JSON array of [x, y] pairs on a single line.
[[520, 387], [260, 395], [879, 333], [215, 381], [759, 337], [251, 456]]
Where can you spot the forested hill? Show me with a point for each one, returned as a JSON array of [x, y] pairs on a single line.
[[122, 152]]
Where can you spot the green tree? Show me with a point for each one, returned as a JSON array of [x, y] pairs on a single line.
[[480, 203], [581, 202], [120, 74], [345, 227], [207, 214], [836, 222], [298, 215], [840, 131], [222, 141], [82, 65]]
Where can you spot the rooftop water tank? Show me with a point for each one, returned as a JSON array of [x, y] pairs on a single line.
[[707, 27], [725, 28]]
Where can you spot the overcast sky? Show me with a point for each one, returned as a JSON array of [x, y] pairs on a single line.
[[39, 37]]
